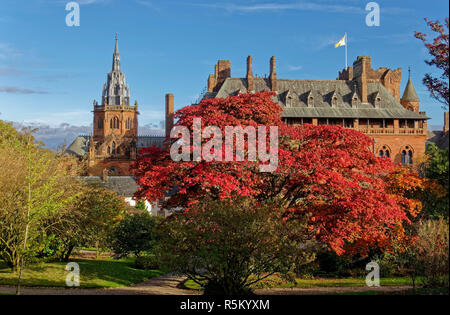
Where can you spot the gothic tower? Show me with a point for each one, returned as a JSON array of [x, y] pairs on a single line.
[[115, 121]]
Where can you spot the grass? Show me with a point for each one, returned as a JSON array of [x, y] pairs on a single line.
[[278, 282], [104, 273]]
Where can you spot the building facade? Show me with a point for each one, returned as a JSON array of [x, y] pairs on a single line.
[[360, 98]]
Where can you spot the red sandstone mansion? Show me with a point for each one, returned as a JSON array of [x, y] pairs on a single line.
[[360, 98]]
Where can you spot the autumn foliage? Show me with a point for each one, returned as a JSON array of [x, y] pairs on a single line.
[[438, 50], [326, 173]]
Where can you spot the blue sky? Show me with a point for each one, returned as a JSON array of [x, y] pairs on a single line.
[[51, 73]]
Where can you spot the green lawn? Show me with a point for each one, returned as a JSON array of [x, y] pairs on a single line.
[[105, 273], [277, 282]]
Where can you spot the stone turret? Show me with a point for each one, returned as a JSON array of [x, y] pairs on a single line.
[[410, 100]]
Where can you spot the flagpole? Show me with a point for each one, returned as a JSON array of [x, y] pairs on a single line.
[[346, 41]]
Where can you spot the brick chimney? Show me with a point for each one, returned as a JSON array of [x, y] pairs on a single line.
[[361, 68], [273, 74], [169, 114], [249, 76], [222, 71], [445, 122]]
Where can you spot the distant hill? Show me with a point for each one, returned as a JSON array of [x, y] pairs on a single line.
[[64, 134]]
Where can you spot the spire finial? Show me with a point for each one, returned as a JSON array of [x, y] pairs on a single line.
[[116, 50], [409, 72]]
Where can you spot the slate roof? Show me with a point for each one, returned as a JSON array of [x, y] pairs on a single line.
[[293, 96], [124, 186], [80, 146], [410, 92]]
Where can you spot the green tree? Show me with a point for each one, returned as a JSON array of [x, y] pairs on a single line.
[[228, 246], [101, 211], [36, 190], [436, 168], [134, 235], [87, 222]]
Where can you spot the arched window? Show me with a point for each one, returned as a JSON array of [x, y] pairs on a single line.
[[407, 156], [403, 157], [111, 124], [113, 148], [334, 101], [410, 157], [118, 150], [381, 153], [128, 123], [387, 154], [108, 150]]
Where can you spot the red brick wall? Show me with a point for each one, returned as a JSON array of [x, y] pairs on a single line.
[[397, 143]]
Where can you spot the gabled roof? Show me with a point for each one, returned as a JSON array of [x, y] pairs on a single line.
[[124, 186], [80, 146], [321, 91]]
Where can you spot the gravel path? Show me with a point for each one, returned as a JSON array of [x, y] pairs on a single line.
[[168, 285], [328, 290], [162, 285]]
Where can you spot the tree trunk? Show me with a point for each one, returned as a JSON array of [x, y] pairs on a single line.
[[25, 240], [67, 254], [27, 227]]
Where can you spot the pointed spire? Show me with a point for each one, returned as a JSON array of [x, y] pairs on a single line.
[[410, 92], [116, 56], [116, 50]]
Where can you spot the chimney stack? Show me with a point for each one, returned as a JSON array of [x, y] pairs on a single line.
[[273, 74], [250, 83], [445, 122], [169, 114], [361, 68]]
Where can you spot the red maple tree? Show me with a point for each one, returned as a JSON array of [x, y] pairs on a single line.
[[438, 49], [326, 172]]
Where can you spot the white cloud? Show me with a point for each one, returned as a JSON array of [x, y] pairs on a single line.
[[274, 6], [148, 4], [294, 68]]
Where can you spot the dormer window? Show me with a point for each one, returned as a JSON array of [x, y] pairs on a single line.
[[377, 100], [334, 100], [354, 100], [310, 100], [288, 99]]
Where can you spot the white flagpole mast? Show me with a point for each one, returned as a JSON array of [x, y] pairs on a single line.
[[346, 41]]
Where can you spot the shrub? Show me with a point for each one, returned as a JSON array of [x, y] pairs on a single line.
[[425, 255], [433, 252], [134, 235], [228, 246], [147, 262]]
